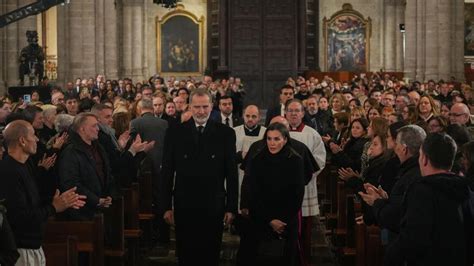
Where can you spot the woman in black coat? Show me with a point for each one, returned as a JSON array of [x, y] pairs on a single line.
[[349, 155], [277, 182]]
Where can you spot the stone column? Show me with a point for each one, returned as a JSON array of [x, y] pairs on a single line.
[[400, 19], [100, 21], [444, 41], [127, 40], [458, 40], [2, 54], [137, 43], [411, 34], [420, 39], [111, 40], [389, 35], [433, 41]]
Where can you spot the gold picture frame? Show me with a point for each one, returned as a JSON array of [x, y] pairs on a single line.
[[180, 37], [347, 41]]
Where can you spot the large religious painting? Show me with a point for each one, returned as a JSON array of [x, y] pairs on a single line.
[[180, 37], [346, 36], [469, 31]]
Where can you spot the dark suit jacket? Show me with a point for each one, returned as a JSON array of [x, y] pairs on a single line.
[[271, 113], [151, 128], [202, 163], [236, 120]]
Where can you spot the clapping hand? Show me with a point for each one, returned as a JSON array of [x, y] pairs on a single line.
[[68, 199], [105, 202], [346, 173], [335, 148], [59, 141], [372, 194], [47, 162], [123, 139], [326, 138]]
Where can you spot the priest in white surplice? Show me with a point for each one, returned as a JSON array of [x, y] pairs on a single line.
[[246, 135], [312, 139]]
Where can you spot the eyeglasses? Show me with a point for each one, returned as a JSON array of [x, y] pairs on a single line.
[[288, 93], [293, 111], [456, 115]]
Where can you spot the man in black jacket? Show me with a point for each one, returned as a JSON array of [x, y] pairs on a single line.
[[387, 209], [199, 157], [432, 229], [84, 164], [27, 214]]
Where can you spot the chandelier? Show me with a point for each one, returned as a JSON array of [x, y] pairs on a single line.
[[167, 3]]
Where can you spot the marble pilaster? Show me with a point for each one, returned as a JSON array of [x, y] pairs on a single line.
[[411, 30], [432, 42], [390, 36]]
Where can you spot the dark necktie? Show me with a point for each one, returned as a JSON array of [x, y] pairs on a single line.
[[200, 129], [227, 122]]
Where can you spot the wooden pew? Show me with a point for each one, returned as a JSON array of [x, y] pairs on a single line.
[[61, 251], [89, 234], [114, 232], [146, 215], [132, 230]]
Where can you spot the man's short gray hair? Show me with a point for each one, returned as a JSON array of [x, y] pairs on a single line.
[[63, 122], [146, 104], [80, 119], [412, 136], [200, 92]]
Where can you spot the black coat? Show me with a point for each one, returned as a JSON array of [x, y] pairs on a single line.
[[199, 165], [322, 121], [432, 229], [351, 155], [310, 166], [122, 163], [77, 168], [371, 175], [388, 212], [8, 253], [277, 182]]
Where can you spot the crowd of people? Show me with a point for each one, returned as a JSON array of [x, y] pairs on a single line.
[[405, 149]]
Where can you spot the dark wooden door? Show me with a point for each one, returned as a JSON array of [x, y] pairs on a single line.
[[263, 46]]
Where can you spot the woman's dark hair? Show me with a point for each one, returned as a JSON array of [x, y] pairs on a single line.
[[357, 102], [441, 120], [280, 128], [362, 121], [395, 127]]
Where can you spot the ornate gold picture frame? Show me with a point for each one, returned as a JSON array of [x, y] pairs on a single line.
[[347, 41], [179, 36]]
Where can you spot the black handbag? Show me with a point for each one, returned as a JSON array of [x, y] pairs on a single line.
[[272, 245]]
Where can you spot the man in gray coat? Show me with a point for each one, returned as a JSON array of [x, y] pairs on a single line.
[[151, 128]]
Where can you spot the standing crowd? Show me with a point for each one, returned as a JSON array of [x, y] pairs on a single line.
[[406, 150]]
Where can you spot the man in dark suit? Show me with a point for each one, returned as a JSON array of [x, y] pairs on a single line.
[[199, 157], [287, 92], [225, 116], [152, 129]]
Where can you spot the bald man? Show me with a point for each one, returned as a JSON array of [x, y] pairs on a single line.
[[249, 132], [27, 214]]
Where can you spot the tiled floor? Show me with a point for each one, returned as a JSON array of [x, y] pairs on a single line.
[[322, 255]]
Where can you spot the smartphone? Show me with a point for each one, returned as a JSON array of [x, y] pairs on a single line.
[[27, 98]]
